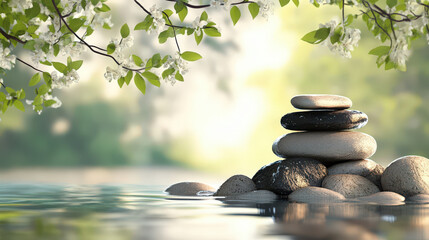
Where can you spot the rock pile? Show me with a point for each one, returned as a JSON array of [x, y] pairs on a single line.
[[325, 161]]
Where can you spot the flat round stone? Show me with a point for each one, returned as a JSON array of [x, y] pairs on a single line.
[[320, 101], [324, 120], [315, 195], [285, 176], [407, 176], [365, 168], [327, 147], [383, 198], [235, 185], [350, 186], [188, 188]]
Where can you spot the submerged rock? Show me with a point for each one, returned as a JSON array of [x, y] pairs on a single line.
[[407, 176], [188, 188], [237, 184], [383, 198], [365, 168], [351, 186], [315, 195], [320, 101], [285, 176], [257, 196], [324, 120]]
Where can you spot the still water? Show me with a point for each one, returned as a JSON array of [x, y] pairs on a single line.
[[47, 211]]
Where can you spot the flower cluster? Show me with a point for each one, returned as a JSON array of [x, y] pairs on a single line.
[[346, 43], [158, 19], [225, 4], [178, 64], [7, 60], [113, 74], [59, 80], [46, 97], [266, 8]]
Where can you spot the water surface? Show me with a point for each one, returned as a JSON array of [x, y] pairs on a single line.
[[48, 211]]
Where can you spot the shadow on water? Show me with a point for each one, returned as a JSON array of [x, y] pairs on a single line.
[[139, 212]]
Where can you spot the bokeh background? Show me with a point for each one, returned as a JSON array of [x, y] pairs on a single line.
[[224, 118]]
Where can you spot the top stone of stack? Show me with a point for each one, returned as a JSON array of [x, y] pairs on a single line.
[[321, 101]]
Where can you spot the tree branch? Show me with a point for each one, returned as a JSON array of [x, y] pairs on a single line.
[[2, 32], [21, 61], [174, 31]]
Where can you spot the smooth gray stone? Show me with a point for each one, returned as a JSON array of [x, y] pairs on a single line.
[[188, 188], [350, 186], [320, 101], [324, 120], [383, 198], [419, 198], [327, 147], [258, 196], [315, 195], [408, 176], [235, 185], [365, 168], [285, 176]]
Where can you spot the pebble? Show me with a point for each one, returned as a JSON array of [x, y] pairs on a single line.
[[351, 186], [315, 195], [320, 101], [408, 176], [237, 184], [285, 176], [257, 196], [419, 198], [327, 147], [383, 198], [324, 120], [188, 188], [365, 168]]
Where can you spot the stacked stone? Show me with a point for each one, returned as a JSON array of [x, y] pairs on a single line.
[[323, 138]]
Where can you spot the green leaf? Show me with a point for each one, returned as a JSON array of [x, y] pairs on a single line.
[[76, 23], [284, 2], [179, 77], [212, 32], [49, 102], [33, 12], [18, 104], [156, 60], [296, 2], [2, 97], [179, 6], [30, 45], [34, 80], [125, 31], [10, 90], [128, 77], [235, 14], [121, 81], [76, 64], [140, 83], [19, 28], [48, 79], [152, 78], [145, 25], [198, 38], [380, 51], [317, 36], [43, 89], [137, 60], [56, 50], [204, 16], [38, 100], [167, 72], [183, 13], [190, 56], [103, 8], [60, 67], [254, 9], [391, 3], [111, 48]]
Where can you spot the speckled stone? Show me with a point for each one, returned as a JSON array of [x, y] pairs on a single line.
[[383, 198], [419, 198], [315, 195], [407, 176], [285, 176], [350, 186], [188, 188], [324, 120], [320, 101], [235, 185], [365, 168], [327, 147]]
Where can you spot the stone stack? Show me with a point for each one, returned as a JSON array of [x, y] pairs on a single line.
[[323, 136]]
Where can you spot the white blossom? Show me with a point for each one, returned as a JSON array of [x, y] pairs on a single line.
[[347, 42], [225, 4], [20, 5], [7, 60], [266, 8], [399, 52], [59, 80], [158, 19], [177, 63], [198, 25], [57, 103], [113, 74], [73, 49]]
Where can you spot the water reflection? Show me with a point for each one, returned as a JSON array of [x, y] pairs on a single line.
[[140, 212]]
